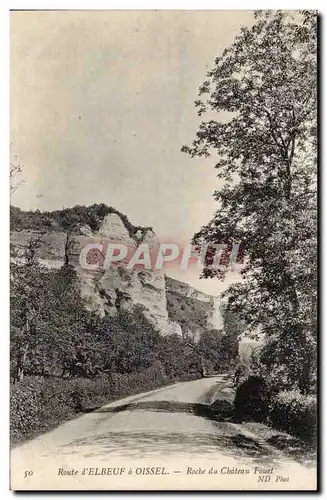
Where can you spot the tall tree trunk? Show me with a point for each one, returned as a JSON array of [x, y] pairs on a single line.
[[304, 377]]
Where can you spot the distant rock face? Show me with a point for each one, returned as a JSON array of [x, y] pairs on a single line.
[[176, 329], [193, 310], [249, 342], [118, 288], [105, 290]]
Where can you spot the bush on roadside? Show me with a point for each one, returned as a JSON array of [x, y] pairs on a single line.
[[295, 413], [147, 380], [251, 399], [25, 406], [39, 404]]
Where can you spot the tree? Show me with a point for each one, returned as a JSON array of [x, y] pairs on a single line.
[[265, 84], [128, 341], [49, 322], [14, 171], [179, 360]]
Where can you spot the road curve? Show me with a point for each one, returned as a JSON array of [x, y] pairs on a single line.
[[165, 431]]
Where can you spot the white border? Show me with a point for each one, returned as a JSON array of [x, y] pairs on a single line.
[[159, 4], [4, 184]]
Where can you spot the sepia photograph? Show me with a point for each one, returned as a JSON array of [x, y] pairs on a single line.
[[163, 250]]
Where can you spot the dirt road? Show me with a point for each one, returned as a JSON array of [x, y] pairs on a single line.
[[167, 431]]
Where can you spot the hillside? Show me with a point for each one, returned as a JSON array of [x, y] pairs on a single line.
[[171, 306], [68, 219], [195, 311]]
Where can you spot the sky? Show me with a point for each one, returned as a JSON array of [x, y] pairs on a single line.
[[101, 103]]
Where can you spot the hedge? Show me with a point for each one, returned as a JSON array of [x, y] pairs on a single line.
[[39, 404], [295, 413]]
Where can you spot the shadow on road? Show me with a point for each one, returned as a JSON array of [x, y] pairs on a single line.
[[224, 438], [167, 406], [147, 444], [199, 409]]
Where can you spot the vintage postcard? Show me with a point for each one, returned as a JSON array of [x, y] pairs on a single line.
[[163, 250]]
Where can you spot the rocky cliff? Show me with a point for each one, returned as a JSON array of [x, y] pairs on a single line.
[[172, 306], [192, 310]]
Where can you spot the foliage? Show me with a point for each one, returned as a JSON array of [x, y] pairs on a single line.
[[261, 98], [219, 347], [15, 170], [180, 362], [232, 322], [24, 407], [127, 342], [38, 404], [53, 334], [48, 318], [252, 399], [295, 413], [189, 312], [67, 219]]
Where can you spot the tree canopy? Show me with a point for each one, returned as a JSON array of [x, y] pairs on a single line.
[[260, 99]]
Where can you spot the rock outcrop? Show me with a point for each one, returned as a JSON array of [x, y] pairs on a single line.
[[192, 310], [248, 343], [119, 288]]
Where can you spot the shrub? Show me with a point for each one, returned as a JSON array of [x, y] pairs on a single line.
[[295, 413], [152, 378], [25, 406], [68, 218], [251, 399], [39, 404]]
